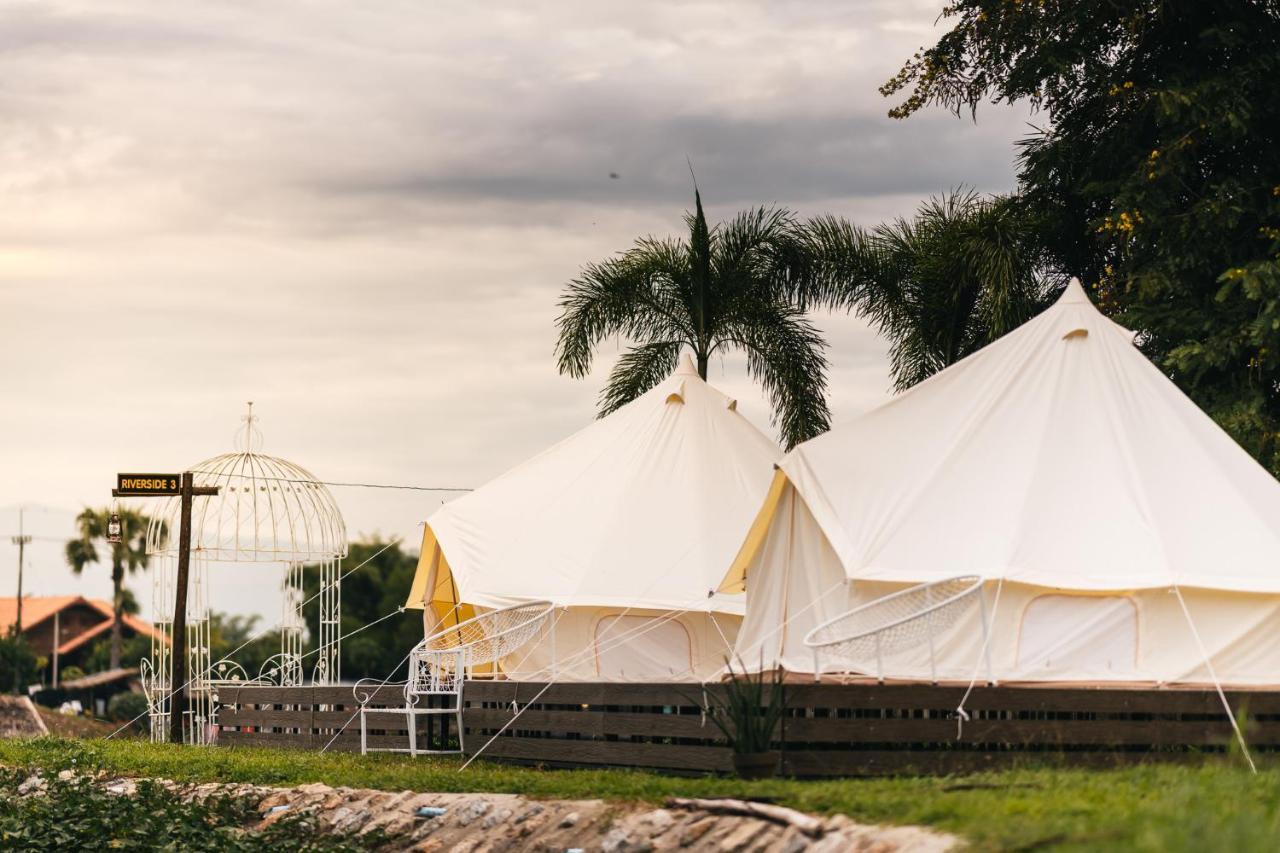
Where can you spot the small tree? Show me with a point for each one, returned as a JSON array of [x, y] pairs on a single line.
[[18, 663], [736, 287], [130, 554], [940, 286]]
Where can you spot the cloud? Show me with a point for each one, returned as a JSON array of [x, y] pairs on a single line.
[[360, 216]]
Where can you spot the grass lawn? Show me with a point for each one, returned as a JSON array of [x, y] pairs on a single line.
[[1215, 805]]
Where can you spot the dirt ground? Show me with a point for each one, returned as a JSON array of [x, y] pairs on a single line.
[[78, 726]]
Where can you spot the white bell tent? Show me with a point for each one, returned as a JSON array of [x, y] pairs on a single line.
[[626, 526], [1121, 535]]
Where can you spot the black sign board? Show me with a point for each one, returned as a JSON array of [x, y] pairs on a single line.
[[147, 485]]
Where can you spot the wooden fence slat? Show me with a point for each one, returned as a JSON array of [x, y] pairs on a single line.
[[594, 723], [1021, 732], [309, 719], [1028, 698]]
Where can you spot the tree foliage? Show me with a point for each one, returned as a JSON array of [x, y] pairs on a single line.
[[966, 270], [1155, 179], [18, 663], [732, 288], [98, 658], [370, 593]]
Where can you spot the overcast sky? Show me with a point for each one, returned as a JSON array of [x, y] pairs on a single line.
[[359, 216]]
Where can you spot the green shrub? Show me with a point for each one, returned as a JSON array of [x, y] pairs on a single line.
[[18, 664], [128, 707], [70, 673], [78, 814]]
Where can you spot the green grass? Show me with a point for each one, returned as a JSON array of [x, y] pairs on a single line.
[[1216, 804]]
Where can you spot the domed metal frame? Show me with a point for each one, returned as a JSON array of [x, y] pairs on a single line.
[[267, 510]]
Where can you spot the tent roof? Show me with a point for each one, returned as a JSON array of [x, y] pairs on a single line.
[[1059, 456], [643, 508]]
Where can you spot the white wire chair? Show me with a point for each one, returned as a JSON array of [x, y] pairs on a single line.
[[441, 663], [899, 621]]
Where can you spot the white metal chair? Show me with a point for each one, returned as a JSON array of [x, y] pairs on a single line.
[[899, 621], [441, 663]]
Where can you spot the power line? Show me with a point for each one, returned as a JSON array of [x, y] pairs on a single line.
[[352, 485]]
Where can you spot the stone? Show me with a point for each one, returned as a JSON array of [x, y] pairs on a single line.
[[571, 819], [473, 811], [693, 833], [277, 799], [32, 785], [659, 821], [535, 809], [617, 841], [315, 788], [739, 837], [792, 841]]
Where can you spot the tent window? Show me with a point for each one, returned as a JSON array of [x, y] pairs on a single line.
[[640, 648], [1078, 635]]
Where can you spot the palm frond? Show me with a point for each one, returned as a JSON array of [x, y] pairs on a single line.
[[629, 295], [787, 356], [844, 263], [638, 369]]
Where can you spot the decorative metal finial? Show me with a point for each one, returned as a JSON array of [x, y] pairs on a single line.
[[249, 440]]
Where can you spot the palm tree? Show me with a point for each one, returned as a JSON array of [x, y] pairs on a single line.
[[130, 553], [963, 272], [731, 288]]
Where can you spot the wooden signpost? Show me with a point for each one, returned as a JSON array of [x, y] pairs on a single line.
[[183, 486]]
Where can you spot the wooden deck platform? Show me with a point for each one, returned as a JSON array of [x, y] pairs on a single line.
[[829, 729]]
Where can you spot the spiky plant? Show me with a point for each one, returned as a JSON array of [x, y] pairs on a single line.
[[732, 288], [748, 708]]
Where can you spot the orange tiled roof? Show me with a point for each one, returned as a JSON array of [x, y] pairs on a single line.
[[38, 608]]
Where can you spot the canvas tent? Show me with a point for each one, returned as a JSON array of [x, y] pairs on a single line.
[[1061, 466], [626, 526]]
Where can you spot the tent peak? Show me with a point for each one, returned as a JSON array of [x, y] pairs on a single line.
[[686, 366], [1074, 293]]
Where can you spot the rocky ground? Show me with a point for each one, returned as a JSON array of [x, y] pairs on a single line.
[[478, 823], [19, 718]]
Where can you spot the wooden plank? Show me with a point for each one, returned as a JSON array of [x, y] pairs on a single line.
[[584, 752], [267, 717], [260, 695], [593, 723], [1102, 700], [583, 693], [333, 695], [1044, 732], [344, 743]]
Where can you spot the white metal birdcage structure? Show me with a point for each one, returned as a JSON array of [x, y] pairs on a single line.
[[267, 510]]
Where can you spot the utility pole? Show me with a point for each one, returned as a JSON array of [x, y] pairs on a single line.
[[21, 540]]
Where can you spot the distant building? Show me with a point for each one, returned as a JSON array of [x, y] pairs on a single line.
[[64, 627]]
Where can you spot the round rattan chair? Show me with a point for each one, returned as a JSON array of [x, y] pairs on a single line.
[[488, 637], [897, 622]]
